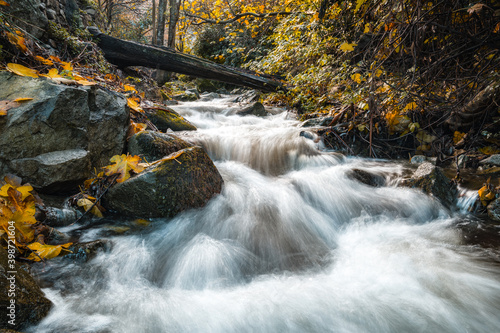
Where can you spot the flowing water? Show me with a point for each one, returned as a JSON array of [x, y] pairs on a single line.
[[292, 244]]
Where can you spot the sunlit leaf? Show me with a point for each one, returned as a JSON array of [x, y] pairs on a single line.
[[137, 127], [134, 105], [3, 3], [44, 251], [86, 83], [17, 39], [22, 70], [357, 78], [123, 165], [129, 88], [23, 99], [67, 66]]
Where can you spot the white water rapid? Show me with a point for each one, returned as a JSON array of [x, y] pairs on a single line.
[[292, 244]]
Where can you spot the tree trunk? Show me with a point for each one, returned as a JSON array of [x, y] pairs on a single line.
[[172, 24], [126, 53], [153, 39], [162, 13]]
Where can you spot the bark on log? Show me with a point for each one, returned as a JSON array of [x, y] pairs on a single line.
[[126, 53]]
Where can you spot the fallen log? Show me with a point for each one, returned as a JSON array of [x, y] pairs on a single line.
[[126, 53]]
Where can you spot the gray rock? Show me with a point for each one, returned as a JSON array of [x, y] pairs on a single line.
[[152, 146], [187, 96], [315, 122], [28, 15], [51, 14], [492, 160], [494, 210], [419, 159], [55, 170], [31, 305], [165, 189], [209, 96], [255, 109], [62, 128], [431, 179], [247, 97], [165, 119], [83, 252], [366, 177]]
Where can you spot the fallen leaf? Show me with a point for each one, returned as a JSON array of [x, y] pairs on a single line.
[[43, 251], [134, 105], [137, 127], [23, 99], [458, 136], [44, 61], [129, 88], [67, 66], [55, 58], [478, 7], [489, 150], [3, 3], [142, 222], [348, 47], [17, 39], [22, 70], [123, 165], [87, 204], [486, 194], [6, 105], [86, 83]]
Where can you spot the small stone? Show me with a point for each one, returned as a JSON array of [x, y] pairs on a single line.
[[418, 159], [494, 210], [255, 109], [492, 160]]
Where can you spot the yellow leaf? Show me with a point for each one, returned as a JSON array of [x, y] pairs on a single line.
[[142, 222], [17, 39], [378, 72], [67, 66], [137, 127], [367, 28], [55, 58], [129, 88], [132, 103], [485, 194], [22, 70], [410, 106], [489, 150], [23, 99], [359, 3], [348, 47], [458, 136], [357, 78], [44, 251], [44, 61], [123, 165], [87, 204], [53, 74]]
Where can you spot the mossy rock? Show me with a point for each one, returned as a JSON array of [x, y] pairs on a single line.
[[31, 305], [431, 179], [169, 187], [165, 119], [152, 146]]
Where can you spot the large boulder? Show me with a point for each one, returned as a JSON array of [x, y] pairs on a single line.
[[152, 146], [56, 139], [165, 119], [19, 288], [431, 179], [169, 187]]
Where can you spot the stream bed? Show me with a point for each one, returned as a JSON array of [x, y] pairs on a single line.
[[292, 244]]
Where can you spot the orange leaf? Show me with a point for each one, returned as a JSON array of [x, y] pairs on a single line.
[[67, 66], [123, 165], [3, 3], [22, 70], [23, 99], [134, 105], [55, 58], [17, 39], [129, 88], [86, 83], [44, 61], [137, 127]]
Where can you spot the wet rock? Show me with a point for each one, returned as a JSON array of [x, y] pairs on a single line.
[[62, 128], [169, 119], [419, 159], [152, 146], [432, 181], [209, 96], [31, 305], [247, 97], [83, 252], [187, 96], [492, 160], [255, 109], [317, 122], [366, 177], [59, 217], [165, 189], [494, 210]]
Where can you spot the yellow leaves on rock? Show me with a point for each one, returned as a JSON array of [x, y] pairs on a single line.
[[22, 70], [18, 40], [42, 251], [123, 165], [348, 47]]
